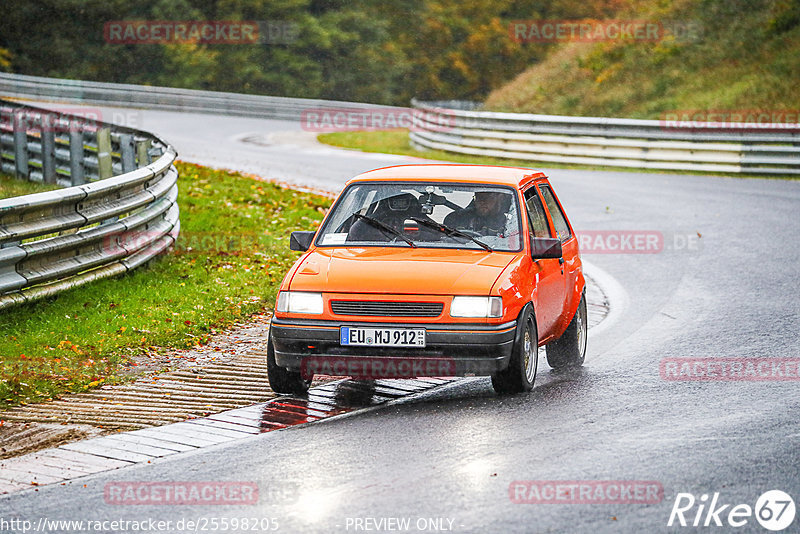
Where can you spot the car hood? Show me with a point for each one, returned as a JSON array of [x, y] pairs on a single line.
[[400, 271]]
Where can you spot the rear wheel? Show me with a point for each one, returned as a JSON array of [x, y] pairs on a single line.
[[520, 374], [282, 380], [570, 349]]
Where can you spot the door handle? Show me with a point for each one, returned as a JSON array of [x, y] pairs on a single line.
[[561, 261]]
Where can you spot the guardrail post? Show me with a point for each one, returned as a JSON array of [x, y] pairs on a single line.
[[142, 152], [21, 144], [48, 137], [104, 164], [76, 154], [155, 152], [127, 151]]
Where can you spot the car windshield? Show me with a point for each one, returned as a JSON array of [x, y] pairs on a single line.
[[420, 214]]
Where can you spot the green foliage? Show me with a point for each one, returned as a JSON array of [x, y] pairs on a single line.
[[231, 255], [5, 60], [388, 51], [382, 51], [742, 54], [785, 16]]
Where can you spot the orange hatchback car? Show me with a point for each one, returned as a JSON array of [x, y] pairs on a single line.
[[433, 270]]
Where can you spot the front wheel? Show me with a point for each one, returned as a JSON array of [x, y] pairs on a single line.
[[282, 380], [520, 374], [570, 349]]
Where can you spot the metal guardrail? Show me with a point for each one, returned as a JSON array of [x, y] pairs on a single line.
[[167, 98], [633, 143], [118, 208], [456, 126]]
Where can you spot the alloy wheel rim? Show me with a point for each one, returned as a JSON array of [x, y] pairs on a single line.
[[530, 356], [581, 330]]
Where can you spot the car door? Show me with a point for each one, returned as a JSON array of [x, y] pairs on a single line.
[[547, 274], [570, 260]]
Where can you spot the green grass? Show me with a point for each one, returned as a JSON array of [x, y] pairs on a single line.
[[743, 55], [230, 258], [14, 187], [396, 142]]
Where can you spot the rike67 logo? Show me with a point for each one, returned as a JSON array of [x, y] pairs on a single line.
[[774, 510]]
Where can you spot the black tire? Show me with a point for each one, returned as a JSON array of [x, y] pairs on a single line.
[[282, 380], [520, 374], [570, 349]]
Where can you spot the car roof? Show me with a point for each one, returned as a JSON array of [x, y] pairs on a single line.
[[448, 172]]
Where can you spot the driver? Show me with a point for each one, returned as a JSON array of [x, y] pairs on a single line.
[[486, 214]]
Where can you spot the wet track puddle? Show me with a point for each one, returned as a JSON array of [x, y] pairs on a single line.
[[74, 460], [338, 398]]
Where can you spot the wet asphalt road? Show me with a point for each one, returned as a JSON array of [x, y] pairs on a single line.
[[452, 454]]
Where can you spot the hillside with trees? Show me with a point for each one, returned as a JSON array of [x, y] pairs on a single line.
[[381, 51], [743, 55]]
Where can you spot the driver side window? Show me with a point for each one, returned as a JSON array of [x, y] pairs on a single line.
[[536, 217]]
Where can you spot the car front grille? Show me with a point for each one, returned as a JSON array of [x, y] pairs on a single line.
[[387, 309]]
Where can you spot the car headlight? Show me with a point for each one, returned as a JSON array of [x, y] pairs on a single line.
[[299, 302], [476, 307]]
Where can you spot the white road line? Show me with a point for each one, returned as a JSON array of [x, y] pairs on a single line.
[[618, 299]]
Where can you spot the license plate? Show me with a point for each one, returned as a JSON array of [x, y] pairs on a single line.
[[382, 337]]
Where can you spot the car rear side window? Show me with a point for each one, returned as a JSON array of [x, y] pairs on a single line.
[[536, 217], [559, 221]]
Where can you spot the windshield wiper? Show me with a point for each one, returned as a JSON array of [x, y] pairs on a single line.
[[378, 224], [450, 231]]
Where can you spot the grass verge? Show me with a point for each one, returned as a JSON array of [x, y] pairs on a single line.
[[14, 187], [714, 57], [396, 142], [232, 254]]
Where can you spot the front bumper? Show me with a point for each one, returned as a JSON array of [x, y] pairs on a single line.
[[451, 349]]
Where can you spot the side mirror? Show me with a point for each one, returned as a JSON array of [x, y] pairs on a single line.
[[301, 241], [545, 248]]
